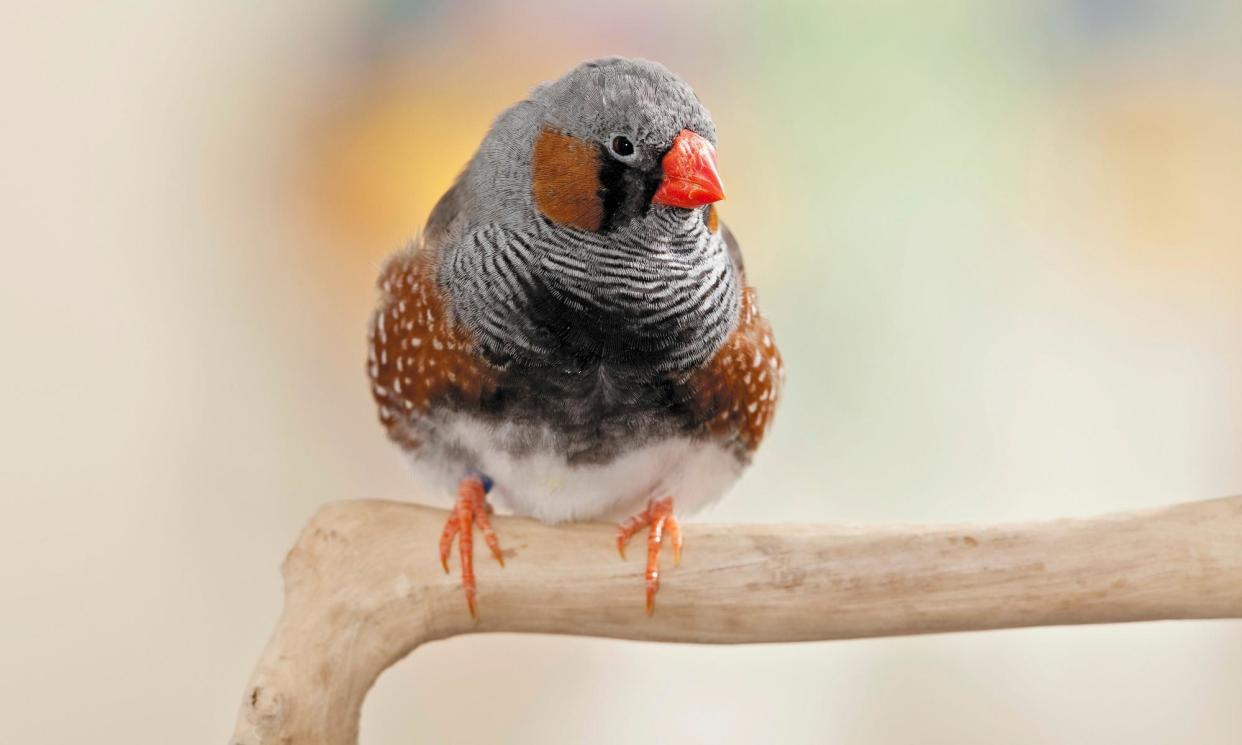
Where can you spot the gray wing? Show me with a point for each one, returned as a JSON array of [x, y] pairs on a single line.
[[446, 211]]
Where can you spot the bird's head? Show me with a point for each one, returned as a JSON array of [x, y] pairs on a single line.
[[613, 140], [592, 237]]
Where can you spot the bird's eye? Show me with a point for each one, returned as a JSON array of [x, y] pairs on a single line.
[[622, 146]]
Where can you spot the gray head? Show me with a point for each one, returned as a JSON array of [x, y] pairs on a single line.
[[593, 150], [586, 234], [639, 99]]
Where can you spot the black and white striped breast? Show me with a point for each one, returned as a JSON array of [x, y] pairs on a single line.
[[654, 298]]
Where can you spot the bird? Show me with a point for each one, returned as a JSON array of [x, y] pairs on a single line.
[[571, 335]]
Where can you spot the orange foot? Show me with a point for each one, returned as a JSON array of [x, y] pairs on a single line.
[[471, 507], [657, 518]]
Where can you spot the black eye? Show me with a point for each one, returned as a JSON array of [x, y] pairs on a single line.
[[622, 146]]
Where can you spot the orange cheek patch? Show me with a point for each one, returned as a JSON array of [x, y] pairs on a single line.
[[565, 180], [713, 220]]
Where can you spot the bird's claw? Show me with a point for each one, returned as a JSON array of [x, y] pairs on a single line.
[[659, 520], [471, 508]]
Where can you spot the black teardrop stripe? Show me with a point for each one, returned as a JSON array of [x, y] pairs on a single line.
[[625, 192], [611, 188]]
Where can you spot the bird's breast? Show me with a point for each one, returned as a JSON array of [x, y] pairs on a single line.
[[658, 300]]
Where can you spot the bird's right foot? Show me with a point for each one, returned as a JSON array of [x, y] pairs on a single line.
[[471, 508]]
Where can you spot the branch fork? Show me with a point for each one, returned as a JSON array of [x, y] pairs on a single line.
[[363, 589]]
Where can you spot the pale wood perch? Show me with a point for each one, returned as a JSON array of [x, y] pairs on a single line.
[[363, 587]]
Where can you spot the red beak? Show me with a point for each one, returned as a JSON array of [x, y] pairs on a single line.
[[690, 176]]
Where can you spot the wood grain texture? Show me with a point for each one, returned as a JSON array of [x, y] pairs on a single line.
[[363, 588]]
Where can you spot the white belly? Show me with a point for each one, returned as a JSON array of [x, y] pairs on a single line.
[[541, 484]]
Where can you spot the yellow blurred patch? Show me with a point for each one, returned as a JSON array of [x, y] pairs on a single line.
[[382, 164]]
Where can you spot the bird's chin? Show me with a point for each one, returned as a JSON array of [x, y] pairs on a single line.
[[685, 218]]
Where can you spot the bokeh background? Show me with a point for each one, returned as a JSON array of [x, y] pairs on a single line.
[[1000, 243]]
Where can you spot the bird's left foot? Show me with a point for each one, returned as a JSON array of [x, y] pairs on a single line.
[[659, 520]]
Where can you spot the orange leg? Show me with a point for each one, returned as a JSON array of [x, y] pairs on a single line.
[[659, 519], [471, 508]]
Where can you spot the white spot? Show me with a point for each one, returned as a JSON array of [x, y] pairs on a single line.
[[751, 407], [758, 359], [396, 386], [435, 344], [416, 342]]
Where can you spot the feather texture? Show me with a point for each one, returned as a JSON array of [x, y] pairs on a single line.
[[553, 328]]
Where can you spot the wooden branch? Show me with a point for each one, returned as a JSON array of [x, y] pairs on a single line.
[[363, 587]]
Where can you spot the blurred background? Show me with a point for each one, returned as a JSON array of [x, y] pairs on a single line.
[[1000, 244]]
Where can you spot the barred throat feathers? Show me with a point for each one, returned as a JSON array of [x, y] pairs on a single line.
[[654, 298]]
